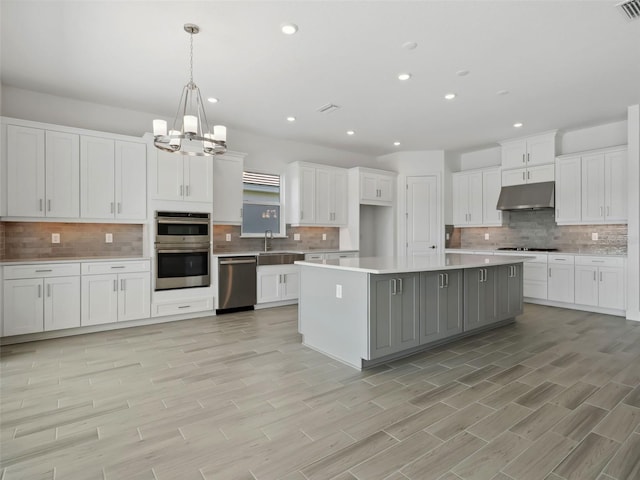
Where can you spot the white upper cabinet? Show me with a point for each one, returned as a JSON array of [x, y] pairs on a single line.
[[529, 151], [316, 194], [183, 178], [568, 190], [43, 173], [491, 184], [113, 179], [467, 199], [227, 188], [604, 187], [534, 174], [376, 188]]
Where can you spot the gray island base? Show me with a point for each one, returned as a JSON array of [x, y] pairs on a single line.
[[366, 311]]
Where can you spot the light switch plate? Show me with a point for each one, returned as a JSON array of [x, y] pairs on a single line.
[[486, 236], [227, 237], [338, 290], [324, 236], [55, 238], [594, 236], [108, 238], [296, 237]]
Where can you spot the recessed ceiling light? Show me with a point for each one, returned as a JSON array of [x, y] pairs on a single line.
[[462, 73], [502, 92], [289, 28], [351, 132], [291, 119], [404, 76], [397, 144], [409, 45], [212, 100], [450, 96], [518, 124]]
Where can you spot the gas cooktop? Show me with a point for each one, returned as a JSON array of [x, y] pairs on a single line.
[[528, 249]]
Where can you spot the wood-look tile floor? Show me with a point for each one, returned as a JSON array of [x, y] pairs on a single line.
[[554, 396]]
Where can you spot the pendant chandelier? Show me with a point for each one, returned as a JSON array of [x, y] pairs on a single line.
[[190, 134]]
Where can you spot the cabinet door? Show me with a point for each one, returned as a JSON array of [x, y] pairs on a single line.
[[25, 172], [131, 180], [615, 186], [23, 306], [514, 177], [324, 210], [541, 173], [407, 312], [290, 283], [489, 293], [61, 303], [385, 188], [307, 195], [474, 303], [227, 190], [561, 283], [586, 285], [491, 183], [475, 198], [134, 297], [269, 284], [168, 183], [460, 199], [99, 299], [541, 150], [568, 190], [611, 288], [593, 188], [339, 194], [369, 186], [440, 305], [198, 179], [514, 154], [508, 291], [381, 315], [97, 177], [62, 174]]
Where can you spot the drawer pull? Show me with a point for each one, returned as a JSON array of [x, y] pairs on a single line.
[[42, 271], [184, 306], [119, 266]]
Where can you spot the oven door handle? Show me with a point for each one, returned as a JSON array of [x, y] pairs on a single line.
[[235, 262], [168, 221], [183, 250]]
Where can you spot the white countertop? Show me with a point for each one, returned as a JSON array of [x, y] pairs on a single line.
[[382, 265], [580, 252], [291, 250], [39, 261]]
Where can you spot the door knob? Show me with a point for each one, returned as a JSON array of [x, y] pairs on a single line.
[[433, 246]]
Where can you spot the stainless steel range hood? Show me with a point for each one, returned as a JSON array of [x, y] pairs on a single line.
[[531, 196]]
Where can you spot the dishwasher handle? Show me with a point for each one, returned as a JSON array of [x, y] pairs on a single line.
[[237, 261]]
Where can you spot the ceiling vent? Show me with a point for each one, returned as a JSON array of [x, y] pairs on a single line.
[[630, 9], [328, 108]]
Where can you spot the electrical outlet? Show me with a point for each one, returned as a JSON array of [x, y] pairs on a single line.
[[55, 238], [486, 236], [594, 236], [324, 236], [296, 237], [108, 238], [447, 236], [227, 237], [338, 291]]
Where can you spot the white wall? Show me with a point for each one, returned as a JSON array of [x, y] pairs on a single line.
[[487, 157], [600, 136], [263, 153], [633, 252]]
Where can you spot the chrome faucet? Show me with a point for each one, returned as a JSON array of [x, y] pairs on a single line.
[[268, 236]]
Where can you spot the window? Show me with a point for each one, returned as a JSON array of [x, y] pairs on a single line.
[[261, 204]]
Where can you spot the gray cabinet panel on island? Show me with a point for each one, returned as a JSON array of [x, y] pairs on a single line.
[[441, 309]]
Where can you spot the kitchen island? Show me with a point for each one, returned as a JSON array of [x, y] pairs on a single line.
[[369, 310]]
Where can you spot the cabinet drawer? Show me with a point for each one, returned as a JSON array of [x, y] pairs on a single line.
[[41, 271], [337, 255], [314, 256], [600, 261], [98, 268], [186, 306], [562, 259]]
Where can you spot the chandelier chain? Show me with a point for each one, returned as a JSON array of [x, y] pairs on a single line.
[[191, 59]]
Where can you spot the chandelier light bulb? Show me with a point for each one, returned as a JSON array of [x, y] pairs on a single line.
[[159, 127], [220, 133], [190, 124]]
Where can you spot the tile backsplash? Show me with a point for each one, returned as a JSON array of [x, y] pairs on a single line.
[[538, 228], [310, 239], [32, 240]]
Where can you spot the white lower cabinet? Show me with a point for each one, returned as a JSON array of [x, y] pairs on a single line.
[[115, 297], [36, 300], [277, 283], [560, 285], [599, 282]]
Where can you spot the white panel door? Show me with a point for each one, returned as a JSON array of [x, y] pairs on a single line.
[[99, 299], [290, 284], [324, 202], [460, 199], [131, 180], [541, 173], [269, 284], [61, 303], [611, 288], [561, 283], [491, 183], [62, 174], [134, 297], [593, 188], [514, 177], [340, 195], [168, 183], [541, 150], [586, 285], [369, 186], [514, 154], [475, 198], [25, 172], [615, 187], [97, 177], [422, 216], [385, 187], [23, 306], [307, 195], [568, 190], [198, 179], [227, 189]]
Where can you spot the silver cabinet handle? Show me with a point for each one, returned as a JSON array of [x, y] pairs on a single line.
[[528, 158], [400, 286], [608, 211], [600, 276], [186, 189], [181, 190], [119, 207], [42, 271], [523, 158], [40, 205], [39, 291], [600, 211], [115, 285], [549, 272], [594, 276], [117, 266], [48, 290], [394, 289], [528, 175], [49, 205], [446, 279], [440, 280], [184, 306], [523, 176], [111, 207], [481, 275], [301, 214], [122, 284]]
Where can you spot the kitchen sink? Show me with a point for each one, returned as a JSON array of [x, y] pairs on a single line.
[[279, 258]]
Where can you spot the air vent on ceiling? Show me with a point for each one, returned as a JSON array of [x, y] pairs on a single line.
[[328, 108], [630, 8]]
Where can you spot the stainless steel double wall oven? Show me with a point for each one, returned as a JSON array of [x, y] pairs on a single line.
[[183, 250]]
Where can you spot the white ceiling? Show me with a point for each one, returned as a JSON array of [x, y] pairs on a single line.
[[566, 64]]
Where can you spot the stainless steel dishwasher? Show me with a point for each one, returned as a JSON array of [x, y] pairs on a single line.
[[236, 282]]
